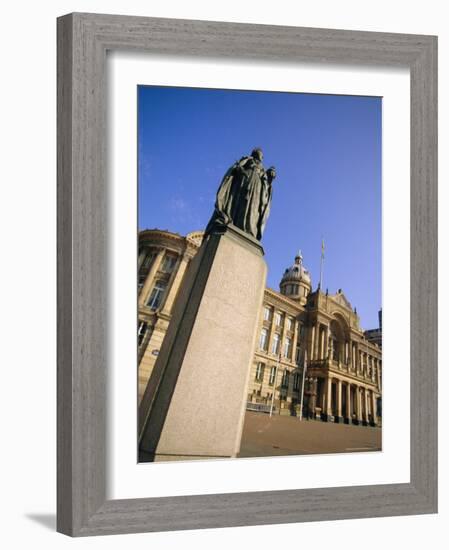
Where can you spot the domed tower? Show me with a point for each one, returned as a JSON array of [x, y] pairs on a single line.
[[296, 282]]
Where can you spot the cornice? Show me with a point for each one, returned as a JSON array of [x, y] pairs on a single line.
[[279, 298]]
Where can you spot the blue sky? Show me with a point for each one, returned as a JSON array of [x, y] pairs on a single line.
[[327, 154]]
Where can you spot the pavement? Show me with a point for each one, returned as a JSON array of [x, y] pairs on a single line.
[[287, 435]]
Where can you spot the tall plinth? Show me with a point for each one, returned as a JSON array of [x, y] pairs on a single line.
[[195, 402]]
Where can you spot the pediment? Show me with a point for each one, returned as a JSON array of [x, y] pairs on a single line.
[[341, 299]]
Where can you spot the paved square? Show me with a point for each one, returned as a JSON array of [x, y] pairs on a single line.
[[287, 435]]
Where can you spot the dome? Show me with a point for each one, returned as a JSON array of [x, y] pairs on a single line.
[[296, 273], [296, 282]]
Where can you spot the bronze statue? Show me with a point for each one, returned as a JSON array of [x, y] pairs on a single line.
[[244, 196]]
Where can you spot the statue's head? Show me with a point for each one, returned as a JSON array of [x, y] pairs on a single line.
[[257, 154], [271, 173]]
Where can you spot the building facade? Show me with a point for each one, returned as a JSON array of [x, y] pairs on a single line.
[[311, 351]]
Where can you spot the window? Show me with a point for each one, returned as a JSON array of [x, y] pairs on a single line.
[[272, 375], [290, 323], [259, 371], [278, 319], [285, 379], [156, 295], [145, 268], [275, 344], [168, 264], [296, 381], [287, 348], [267, 314], [148, 260], [298, 354], [263, 342]]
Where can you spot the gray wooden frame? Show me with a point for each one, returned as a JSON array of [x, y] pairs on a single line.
[[83, 40]]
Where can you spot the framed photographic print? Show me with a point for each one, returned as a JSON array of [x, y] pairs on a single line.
[[247, 274]]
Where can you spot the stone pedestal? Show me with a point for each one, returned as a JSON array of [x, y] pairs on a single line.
[[195, 401]]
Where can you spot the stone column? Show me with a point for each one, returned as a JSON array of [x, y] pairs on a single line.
[[149, 281], [175, 284], [373, 408], [321, 342], [348, 403], [359, 404], [328, 411], [295, 340], [283, 335], [195, 400], [312, 343], [272, 331], [316, 351], [339, 417], [366, 416], [323, 397]]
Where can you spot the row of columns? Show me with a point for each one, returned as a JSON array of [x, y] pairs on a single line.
[[361, 412], [351, 355]]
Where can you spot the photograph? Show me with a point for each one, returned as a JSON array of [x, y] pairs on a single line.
[[259, 273]]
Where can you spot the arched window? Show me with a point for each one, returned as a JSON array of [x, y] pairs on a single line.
[[259, 371], [275, 344], [168, 264], [287, 348], [263, 341], [148, 260], [266, 313]]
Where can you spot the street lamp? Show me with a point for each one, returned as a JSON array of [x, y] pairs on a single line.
[[304, 370], [274, 384]]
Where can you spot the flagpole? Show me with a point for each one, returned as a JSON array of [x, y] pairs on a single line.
[[321, 263]]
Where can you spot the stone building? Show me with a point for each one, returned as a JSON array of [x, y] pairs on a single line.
[[162, 261], [375, 334], [342, 378]]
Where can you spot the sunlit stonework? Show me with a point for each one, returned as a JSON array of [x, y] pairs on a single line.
[[343, 377]]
